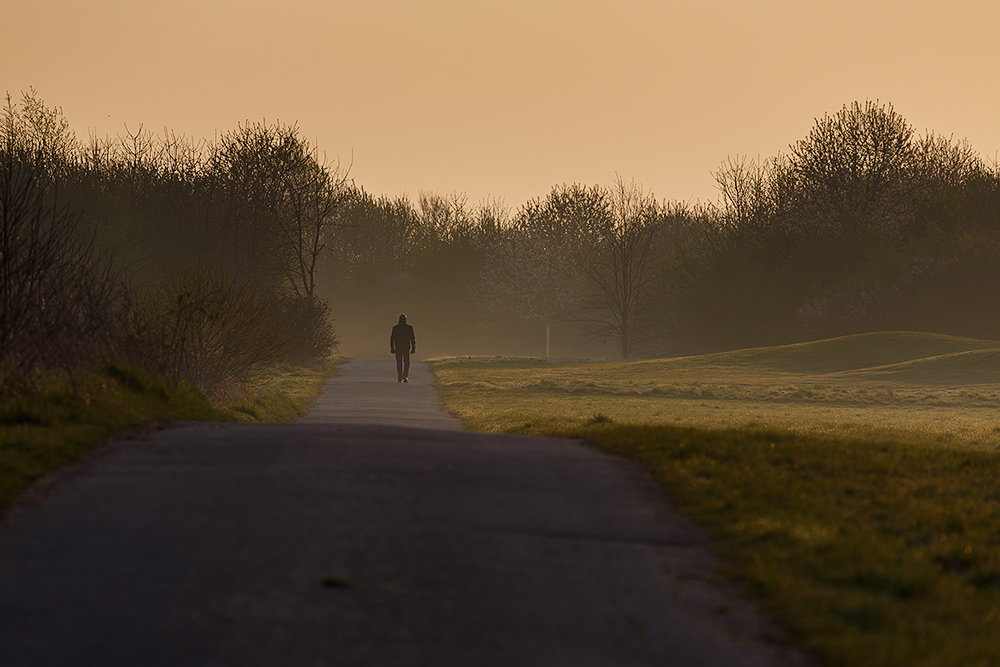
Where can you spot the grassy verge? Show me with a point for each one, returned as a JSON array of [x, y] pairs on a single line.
[[279, 395], [57, 424], [878, 547], [866, 553]]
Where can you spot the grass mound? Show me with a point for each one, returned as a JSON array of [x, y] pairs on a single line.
[[849, 353], [971, 367]]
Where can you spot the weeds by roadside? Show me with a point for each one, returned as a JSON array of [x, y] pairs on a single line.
[[58, 422], [278, 395]]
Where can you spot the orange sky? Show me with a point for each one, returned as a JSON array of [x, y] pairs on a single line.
[[508, 98]]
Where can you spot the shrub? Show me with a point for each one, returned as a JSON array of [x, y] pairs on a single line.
[[315, 337], [58, 296], [208, 327]]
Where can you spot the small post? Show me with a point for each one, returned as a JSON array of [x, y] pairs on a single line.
[[548, 335]]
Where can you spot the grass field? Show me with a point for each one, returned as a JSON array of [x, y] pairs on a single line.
[[851, 484], [908, 386], [56, 424]]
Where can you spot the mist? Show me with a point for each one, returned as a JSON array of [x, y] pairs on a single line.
[[864, 225], [210, 258]]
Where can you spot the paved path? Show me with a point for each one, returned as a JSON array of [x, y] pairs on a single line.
[[367, 393], [362, 544]]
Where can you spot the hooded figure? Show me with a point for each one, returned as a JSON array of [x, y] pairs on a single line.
[[402, 343]]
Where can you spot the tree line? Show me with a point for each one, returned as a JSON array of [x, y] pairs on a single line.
[[862, 225], [205, 261], [195, 261]]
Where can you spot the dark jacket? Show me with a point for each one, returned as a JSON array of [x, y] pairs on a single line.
[[402, 338]]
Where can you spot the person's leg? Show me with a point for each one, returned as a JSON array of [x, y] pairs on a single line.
[[399, 365], [406, 365]]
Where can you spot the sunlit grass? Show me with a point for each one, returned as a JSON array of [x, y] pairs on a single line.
[[57, 423], [866, 553], [278, 395], [913, 387], [851, 484]]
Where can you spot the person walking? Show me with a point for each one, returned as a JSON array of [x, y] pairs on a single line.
[[402, 343]]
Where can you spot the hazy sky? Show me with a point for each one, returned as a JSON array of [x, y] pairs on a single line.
[[509, 98]]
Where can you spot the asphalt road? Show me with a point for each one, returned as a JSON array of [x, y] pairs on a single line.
[[373, 532]]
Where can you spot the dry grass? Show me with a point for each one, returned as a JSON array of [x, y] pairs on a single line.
[[56, 424], [913, 387], [867, 553]]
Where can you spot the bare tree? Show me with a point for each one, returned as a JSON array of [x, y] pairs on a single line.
[[569, 217], [314, 192], [374, 237], [444, 217], [586, 254], [532, 270], [243, 192], [58, 297], [856, 166], [752, 193], [491, 219], [622, 266], [210, 328], [527, 278], [943, 163]]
